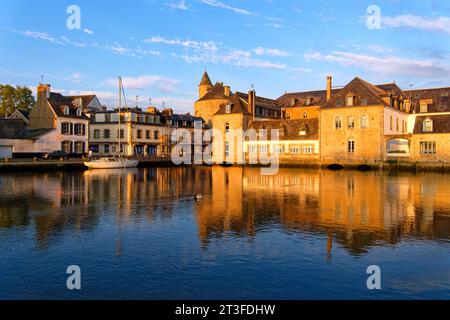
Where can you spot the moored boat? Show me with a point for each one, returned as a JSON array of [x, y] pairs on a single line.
[[111, 163]]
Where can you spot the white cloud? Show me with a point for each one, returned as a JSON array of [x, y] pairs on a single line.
[[179, 6], [162, 84], [74, 43], [110, 99], [218, 4], [88, 31], [206, 45], [41, 36], [385, 65], [234, 57], [271, 52], [75, 77], [434, 24]]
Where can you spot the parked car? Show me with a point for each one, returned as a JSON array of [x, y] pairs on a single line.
[[56, 155]]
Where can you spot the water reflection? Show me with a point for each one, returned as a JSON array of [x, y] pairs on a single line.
[[356, 210]]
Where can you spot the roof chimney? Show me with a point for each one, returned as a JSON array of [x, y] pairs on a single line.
[[329, 86], [252, 102], [227, 91], [43, 91]]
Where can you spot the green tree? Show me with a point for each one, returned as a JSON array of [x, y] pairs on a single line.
[[11, 98]]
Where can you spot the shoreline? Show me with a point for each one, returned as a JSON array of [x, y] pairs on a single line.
[[386, 166]]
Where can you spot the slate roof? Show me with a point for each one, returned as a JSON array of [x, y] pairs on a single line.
[[362, 89], [316, 98], [16, 129], [290, 128], [216, 92], [237, 106], [441, 124], [205, 80], [261, 101], [440, 97], [57, 101], [86, 99]]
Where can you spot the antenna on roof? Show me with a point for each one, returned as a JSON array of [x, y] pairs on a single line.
[[137, 101], [252, 86], [42, 79], [150, 101]]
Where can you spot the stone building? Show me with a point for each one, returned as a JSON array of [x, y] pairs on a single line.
[[66, 115], [430, 141], [357, 124], [141, 133], [298, 141], [363, 123]]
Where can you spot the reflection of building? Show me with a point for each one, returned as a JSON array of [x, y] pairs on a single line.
[[355, 209]]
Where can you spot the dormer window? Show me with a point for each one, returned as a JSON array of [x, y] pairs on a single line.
[[428, 126], [228, 108], [308, 101], [66, 110], [79, 112], [423, 107], [293, 102], [350, 100]]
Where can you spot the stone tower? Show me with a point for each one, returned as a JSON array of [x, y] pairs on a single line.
[[204, 86]]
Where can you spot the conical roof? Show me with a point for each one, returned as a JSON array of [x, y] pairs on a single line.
[[205, 80]]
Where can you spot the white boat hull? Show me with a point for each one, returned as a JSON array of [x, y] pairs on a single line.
[[120, 163]]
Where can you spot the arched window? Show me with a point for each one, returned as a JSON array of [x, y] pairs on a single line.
[[428, 125], [79, 112], [227, 127], [338, 122], [305, 115], [391, 123], [364, 121], [351, 122], [66, 110], [397, 124]]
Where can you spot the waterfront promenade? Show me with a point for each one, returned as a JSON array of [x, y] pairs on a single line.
[[15, 165]]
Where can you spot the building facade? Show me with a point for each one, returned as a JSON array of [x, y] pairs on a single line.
[[65, 115], [357, 124], [141, 133]]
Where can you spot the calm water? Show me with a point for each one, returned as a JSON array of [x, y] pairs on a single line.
[[301, 234]]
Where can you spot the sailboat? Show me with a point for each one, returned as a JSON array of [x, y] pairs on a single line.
[[114, 162]]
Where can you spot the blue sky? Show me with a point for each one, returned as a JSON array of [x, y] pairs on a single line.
[[162, 47]]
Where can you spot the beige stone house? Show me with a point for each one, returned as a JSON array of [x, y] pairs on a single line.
[[55, 111]]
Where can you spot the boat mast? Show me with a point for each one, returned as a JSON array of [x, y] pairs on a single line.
[[120, 127]]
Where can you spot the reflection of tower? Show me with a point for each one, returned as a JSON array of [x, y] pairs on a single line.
[[329, 244], [222, 211]]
